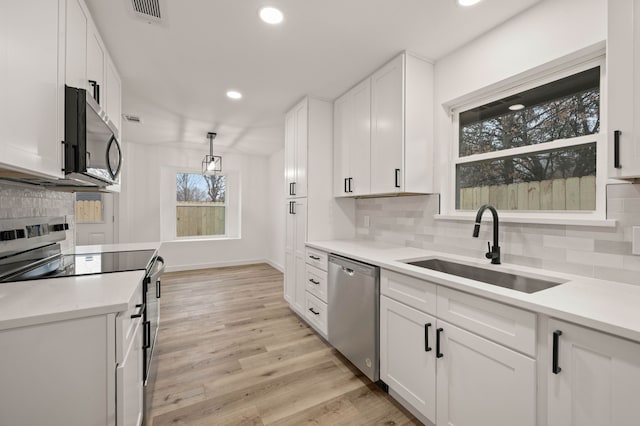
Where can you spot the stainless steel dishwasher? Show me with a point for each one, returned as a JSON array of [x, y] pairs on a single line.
[[354, 310]]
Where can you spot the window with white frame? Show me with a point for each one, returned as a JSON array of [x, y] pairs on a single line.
[[536, 148], [201, 205]]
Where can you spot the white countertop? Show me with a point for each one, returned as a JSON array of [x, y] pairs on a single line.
[[103, 248], [608, 306], [56, 299]]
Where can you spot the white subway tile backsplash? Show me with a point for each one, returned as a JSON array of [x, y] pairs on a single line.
[[583, 244], [603, 252]]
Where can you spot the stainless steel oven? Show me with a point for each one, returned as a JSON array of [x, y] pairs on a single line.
[[152, 292]]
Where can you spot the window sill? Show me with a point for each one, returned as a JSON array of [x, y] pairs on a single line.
[[202, 239], [552, 220]]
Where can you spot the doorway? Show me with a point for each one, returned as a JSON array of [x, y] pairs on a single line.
[[95, 218]]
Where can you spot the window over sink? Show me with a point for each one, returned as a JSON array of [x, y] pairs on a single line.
[[534, 148]]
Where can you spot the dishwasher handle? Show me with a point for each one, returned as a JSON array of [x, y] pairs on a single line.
[[348, 271]]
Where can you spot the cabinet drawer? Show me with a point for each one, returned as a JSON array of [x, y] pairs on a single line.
[[509, 326], [414, 292], [315, 312], [317, 258], [126, 326], [316, 282]]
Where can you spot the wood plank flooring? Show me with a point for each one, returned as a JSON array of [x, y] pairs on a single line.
[[231, 352]]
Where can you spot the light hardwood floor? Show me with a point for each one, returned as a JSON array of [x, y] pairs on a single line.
[[231, 352]]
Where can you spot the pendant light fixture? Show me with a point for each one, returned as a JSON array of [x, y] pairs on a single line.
[[211, 164]]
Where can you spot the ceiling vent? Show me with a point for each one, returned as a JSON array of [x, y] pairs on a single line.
[[132, 118], [148, 10]]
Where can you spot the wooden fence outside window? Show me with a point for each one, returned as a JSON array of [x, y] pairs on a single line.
[[576, 193]]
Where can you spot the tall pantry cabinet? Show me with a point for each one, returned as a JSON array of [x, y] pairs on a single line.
[[311, 211]]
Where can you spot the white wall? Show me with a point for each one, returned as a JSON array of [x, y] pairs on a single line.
[[147, 198], [276, 206], [550, 30]]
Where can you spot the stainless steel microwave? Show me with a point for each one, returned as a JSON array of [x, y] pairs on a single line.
[[92, 151]]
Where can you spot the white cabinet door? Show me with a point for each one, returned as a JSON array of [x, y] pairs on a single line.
[[289, 256], [598, 383], [295, 162], [623, 77], [289, 153], [407, 354], [129, 383], [295, 254], [387, 128], [114, 96], [300, 214], [360, 145], [352, 142], [342, 137], [32, 86], [481, 383], [302, 136], [76, 54], [96, 63]]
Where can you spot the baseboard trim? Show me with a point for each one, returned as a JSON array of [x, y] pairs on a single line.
[[275, 265], [180, 268]]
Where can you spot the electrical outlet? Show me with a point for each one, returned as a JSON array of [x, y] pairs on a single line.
[[366, 222], [635, 240]]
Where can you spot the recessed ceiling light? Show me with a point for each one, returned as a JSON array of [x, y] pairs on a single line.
[[271, 15], [468, 2], [233, 94], [516, 107]]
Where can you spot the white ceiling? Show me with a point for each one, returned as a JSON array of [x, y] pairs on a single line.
[[175, 74]]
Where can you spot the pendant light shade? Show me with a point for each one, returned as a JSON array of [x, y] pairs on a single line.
[[211, 164]]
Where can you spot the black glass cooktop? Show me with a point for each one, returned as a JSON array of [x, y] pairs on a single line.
[[79, 264]]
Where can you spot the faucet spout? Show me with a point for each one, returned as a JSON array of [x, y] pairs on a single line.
[[494, 251]]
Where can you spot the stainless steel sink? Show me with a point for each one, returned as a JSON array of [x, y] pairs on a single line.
[[502, 279]]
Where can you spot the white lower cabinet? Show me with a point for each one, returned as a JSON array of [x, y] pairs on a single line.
[[594, 380], [129, 382], [449, 375], [481, 383], [407, 361], [75, 372]]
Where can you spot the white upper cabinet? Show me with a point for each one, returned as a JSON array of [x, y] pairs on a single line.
[[296, 127], [593, 378], [96, 60], [352, 141], [113, 95], [402, 127], [383, 132], [76, 54], [623, 77], [31, 87]]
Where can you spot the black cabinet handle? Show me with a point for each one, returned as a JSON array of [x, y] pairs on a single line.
[[314, 257], [292, 207], [96, 90], [556, 337], [146, 335], [290, 188], [313, 311], [140, 311], [311, 280], [158, 289], [350, 180], [438, 353], [616, 149], [397, 178], [427, 348], [293, 191], [345, 185]]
